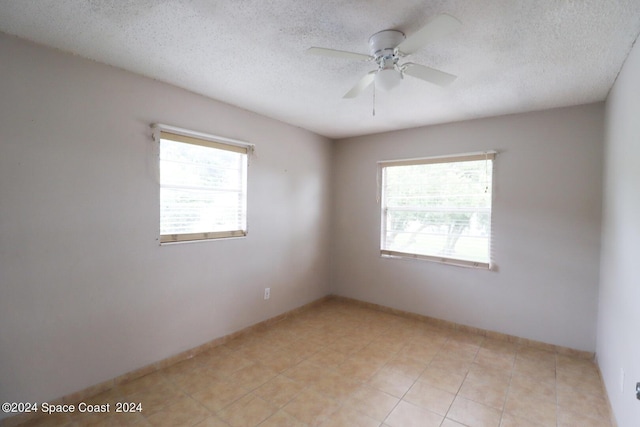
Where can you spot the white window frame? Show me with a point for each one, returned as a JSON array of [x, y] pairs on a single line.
[[386, 253], [162, 131]]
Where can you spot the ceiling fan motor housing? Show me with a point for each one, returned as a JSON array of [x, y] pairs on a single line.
[[388, 46], [382, 46]]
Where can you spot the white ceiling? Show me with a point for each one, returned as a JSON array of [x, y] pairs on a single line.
[[511, 56]]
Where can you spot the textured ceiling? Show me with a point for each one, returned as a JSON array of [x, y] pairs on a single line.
[[510, 56]]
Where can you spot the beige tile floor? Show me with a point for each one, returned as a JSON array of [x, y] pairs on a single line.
[[339, 364]]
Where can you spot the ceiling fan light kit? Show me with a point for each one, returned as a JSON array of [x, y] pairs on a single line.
[[383, 48], [388, 47], [388, 78]]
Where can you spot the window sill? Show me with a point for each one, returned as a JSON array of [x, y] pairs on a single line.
[[440, 260], [171, 239]]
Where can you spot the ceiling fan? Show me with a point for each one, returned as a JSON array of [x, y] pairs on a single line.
[[388, 47]]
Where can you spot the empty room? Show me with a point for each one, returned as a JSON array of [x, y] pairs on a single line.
[[334, 213]]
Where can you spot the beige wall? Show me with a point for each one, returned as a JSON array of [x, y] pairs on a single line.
[[86, 292], [546, 226], [619, 310]]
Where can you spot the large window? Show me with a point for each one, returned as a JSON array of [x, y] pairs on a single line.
[[203, 186], [438, 209]]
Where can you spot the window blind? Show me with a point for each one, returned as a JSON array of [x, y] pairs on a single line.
[[203, 188], [438, 209]]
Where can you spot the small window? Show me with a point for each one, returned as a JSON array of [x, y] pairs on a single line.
[[438, 209], [203, 186]]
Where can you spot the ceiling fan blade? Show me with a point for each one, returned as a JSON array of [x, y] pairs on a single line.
[[338, 53], [362, 84], [430, 75], [438, 27]]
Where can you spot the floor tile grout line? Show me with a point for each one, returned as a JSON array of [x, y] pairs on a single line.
[[504, 403], [317, 332], [457, 393]]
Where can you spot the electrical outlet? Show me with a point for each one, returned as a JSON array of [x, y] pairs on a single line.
[[267, 293], [621, 380]]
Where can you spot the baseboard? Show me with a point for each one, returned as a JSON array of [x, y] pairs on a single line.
[[96, 389], [612, 418], [472, 330]]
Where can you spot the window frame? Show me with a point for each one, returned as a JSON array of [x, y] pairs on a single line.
[[387, 253], [186, 136]]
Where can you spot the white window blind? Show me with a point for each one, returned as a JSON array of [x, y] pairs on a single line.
[[203, 187], [438, 209]]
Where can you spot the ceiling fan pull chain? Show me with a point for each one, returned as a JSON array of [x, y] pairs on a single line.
[[374, 100], [387, 47]]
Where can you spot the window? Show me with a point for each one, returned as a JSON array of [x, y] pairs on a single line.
[[438, 209], [203, 186]]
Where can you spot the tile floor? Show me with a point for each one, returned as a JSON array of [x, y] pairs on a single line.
[[339, 364]]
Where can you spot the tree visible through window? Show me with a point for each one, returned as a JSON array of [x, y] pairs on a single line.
[[202, 188], [438, 209]]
